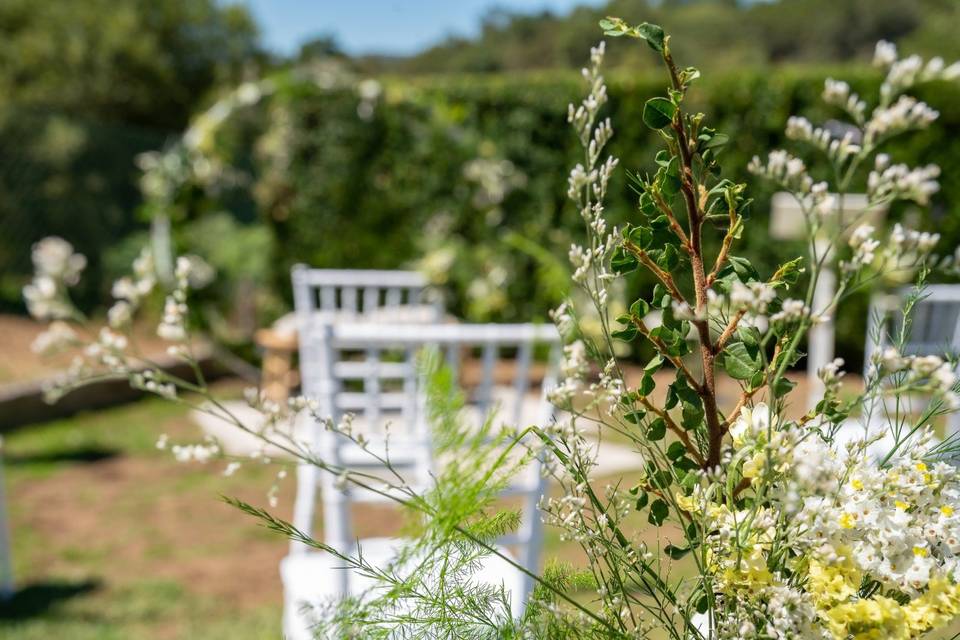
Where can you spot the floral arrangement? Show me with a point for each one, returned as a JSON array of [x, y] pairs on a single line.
[[746, 522]]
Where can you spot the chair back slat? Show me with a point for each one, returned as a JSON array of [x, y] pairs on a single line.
[[484, 399], [361, 291], [521, 381]]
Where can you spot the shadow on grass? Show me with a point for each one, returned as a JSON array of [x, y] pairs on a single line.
[[83, 455], [36, 599]]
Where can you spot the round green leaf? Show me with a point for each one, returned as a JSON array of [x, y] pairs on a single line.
[[658, 112]]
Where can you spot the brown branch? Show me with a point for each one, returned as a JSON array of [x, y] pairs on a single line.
[[662, 275], [676, 429], [708, 386], [662, 348], [724, 249], [728, 331], [741, 487], [674, 223]]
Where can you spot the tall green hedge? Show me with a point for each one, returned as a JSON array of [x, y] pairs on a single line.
[[343, 180], [359, 193]]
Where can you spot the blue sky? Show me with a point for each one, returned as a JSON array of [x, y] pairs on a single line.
[[381, 26]]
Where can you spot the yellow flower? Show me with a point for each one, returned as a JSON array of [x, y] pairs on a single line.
[[846, 521], [900, 504], [877, 618], [753, 467], [946, 510], [921, 467], [749, 572], [920, 552], [857, 484], [687, 503], [935, 608], [829, 584]]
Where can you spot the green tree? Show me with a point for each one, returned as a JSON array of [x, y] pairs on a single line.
[[85, 87]]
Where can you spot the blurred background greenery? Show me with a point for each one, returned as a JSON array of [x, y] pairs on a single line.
[[453, 160]]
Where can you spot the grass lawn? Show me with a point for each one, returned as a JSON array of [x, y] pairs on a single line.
[[114, 539]]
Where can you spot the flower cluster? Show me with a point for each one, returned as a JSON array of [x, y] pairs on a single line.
[[129, 291], [587, 185], [899, 182], [917, 373], [840, 150], [838, 94], [753, 297], [172, 326], [872, 550], [56, 267], [905, 114], [905, 73]]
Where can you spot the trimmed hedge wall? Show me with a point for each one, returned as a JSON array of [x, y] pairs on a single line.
[[360, 193]]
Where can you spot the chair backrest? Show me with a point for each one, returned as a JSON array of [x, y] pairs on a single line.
[[371, 370], [935, 322], [359, 291]]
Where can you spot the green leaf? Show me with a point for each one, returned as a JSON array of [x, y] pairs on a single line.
[[670, 184], [658, 112], [658, 429], [661, 297], [653, 34], [654, 365], [634, 417], [641, 236], [703, 604], [658, 478], [642, 500], [669, 258], [658, 512], [739, 363], [627, 334], [784, 386], [790, 271], [714, 141], [675, 451], [676, 552], [623, 261], [647, 385], [640, 308], [689, 74]]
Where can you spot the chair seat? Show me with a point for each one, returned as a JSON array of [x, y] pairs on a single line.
[[311, 582]]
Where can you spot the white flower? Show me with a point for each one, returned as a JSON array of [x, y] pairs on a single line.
[[58, 336], [753, 296], [906, 113], [864, 246], [899, 182], [785, 169], [885, 54], [791, 311], [55, 257], [831, 373], [753, 423], [890, 360], [172, 325], [120, 314]]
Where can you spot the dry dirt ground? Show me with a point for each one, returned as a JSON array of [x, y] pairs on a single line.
[[18, 363]]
